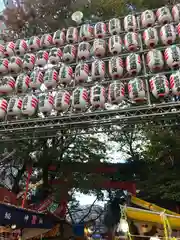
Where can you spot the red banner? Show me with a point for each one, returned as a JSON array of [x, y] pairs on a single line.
[[7, 196]]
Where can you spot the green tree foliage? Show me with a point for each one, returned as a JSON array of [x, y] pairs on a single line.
[[42, 153]]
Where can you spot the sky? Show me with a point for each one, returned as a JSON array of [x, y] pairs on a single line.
[[1, 5]]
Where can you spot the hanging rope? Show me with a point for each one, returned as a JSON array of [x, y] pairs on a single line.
[[166, 225], [27, 187], [124, 216]]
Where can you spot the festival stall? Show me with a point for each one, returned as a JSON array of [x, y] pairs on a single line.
[[16, 221]]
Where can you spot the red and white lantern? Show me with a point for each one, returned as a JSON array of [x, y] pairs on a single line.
[[130, 23], [65, 74], [99, 47], [98, 96], [62, 100], [116, 92], [46, 40], [46, 102], [50, 78], [20, 47], [2, 51], [163, 15], [14, 106], [175, 83], [22, 83], [133, 64], [150, 37], [84, 50], [69, 53], [176, 12], [7, 85], [55, 55], [167, 34], [34, 43], [80, 98], [116, 67], [3, 107], [15, 64], [4, 65], [29, 105], [72, 35], [42, 58], [147, 18], [172, 56], [136, 90], [159, 86], [59, 38], [114, 26], [100, 30], [10, 49], [29, 61], [131, 41], [115, 44], [86, 32], [98, 69], [36, 79], [81, 72], [155, 60]]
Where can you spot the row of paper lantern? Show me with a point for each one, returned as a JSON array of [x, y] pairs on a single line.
[[96, 97], [167, 36], [116, 69], [148, 19]]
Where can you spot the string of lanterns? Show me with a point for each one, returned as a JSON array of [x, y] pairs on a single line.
[[44, 74]]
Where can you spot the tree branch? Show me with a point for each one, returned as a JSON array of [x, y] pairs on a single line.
[[84, 217]]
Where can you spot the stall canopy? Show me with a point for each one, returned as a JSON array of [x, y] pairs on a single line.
[[23, 218], [152, 217]]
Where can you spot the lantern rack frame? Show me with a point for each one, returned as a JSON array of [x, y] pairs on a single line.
[[149, 113], [144, 115]]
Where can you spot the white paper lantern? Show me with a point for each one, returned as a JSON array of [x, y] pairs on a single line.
[[46, 102], [62, 101], [136, 90], [22, 83], [163, 15], [81, 72], [3, 107], [50, 78], [42, 58], [97, 96], [36, 79], [59, 38], [147, 18], [4, 65], [130, 23], [114, 26], [86, 32], [159, 86], [15, 64], [100, 30], [80, 98], [46, 40], [116, 67], [55, 55], [14, 106], [116, 92], [65, 74], [72, 35], [29, 61], [7, 85], [34, 43]]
